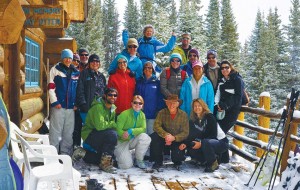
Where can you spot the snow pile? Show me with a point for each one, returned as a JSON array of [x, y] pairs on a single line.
[[291, 176]]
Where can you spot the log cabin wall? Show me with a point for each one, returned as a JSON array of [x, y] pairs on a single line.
[[26, 103]]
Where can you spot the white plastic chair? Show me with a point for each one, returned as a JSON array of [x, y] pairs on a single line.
[[17, 154], [57, 168]]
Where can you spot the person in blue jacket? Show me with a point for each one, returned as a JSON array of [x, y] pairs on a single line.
[[134, 63], [149, 45], [149, 88], [197, 86]]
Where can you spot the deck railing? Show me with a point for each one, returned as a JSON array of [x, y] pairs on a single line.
[[263, 132]]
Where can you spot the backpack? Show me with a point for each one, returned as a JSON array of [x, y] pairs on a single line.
[[245, 96], [168, 74]]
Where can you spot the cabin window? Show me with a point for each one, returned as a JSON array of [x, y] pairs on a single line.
[[32, 67]]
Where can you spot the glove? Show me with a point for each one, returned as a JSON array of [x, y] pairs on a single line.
[[84, 108]]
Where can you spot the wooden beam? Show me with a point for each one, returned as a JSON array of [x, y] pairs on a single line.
[[243, 154], [56, 45], [14, 84], [54, 32]]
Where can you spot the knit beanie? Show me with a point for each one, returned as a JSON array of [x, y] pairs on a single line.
[[175, 55], [120, 56], [81, 50], [195, 51], [76, 56], [66, 53], [93, 57], [212, 52]]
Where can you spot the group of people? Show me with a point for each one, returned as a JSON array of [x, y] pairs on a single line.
[[136, 112]]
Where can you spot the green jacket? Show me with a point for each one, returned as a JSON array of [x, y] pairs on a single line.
[[178, 127], [184, 57], [127, 122], [99, 118]]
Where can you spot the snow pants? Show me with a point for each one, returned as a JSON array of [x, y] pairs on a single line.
[[61, 129], [209, 150], [123, 154], [103, 142], [157, 149]]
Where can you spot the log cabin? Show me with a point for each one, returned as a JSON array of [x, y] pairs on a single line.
[[32, 36]]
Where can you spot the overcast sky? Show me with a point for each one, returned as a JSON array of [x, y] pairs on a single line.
[[244, 12]]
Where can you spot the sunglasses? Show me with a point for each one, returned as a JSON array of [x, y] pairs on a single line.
[[84, 55], [185, 38], [95, 61], [192, 55], [211, 58], [120, 62], [139, 103], [130, 46], [148, 68], [175, 60], [76, 60], [227, 67], [112, 95]]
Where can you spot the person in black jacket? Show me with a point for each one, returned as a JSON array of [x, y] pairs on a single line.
[[91, 84], [228, 97], [206, 139]]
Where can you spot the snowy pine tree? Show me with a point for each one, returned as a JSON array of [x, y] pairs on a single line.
[[229, 36], [111, 44], [147, 12], [132, 19], [212, 25]]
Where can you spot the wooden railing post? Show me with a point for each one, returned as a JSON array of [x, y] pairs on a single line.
[[239, 130], [264, 102], [289, 145]]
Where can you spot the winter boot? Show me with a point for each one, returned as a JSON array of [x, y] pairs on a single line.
[[106, 164], [78, 154], [212, 167], [140, 164]]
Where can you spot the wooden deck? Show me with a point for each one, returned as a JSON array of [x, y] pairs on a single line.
[[227, 177]]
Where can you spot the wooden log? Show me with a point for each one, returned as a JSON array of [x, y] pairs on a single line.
[[32, 124], [1, 54], [243, 154], [30, 107], [22, 77], [53, 58], [264, 102], [260, 111], [239, 130], [22, 60], [54, 32], [258, 128], [2, 76], [56, 45], [252, 142], [11, 21]]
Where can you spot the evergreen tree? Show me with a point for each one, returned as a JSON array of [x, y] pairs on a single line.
[[131, 19], [90, 33], [229, 36], [293, 30], [111, 35], [173, 15], [212, 26], [147, 12]]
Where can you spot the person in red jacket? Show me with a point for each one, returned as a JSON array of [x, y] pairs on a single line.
[[124, 81]]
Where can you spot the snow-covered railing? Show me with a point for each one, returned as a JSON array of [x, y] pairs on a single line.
[[263, 132]]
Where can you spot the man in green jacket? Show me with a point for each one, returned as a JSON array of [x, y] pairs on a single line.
[[171, 127], [184, 48], [99, 133]]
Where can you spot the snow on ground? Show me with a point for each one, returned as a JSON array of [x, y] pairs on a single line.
[[231, 176]]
